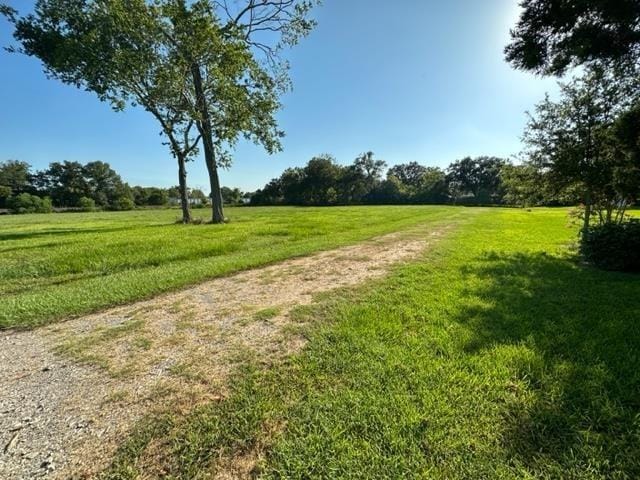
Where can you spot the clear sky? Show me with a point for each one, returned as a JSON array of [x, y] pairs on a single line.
[[411, 80]]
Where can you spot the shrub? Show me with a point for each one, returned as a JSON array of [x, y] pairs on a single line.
[[124, 203], [613, 246], [87, 204], [27, 203]]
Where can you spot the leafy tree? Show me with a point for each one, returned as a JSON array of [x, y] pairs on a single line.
[[389, 191], [433, 187], [141, 195], [271, 194], [173, 192], [104, 184], [624, 147], [231, 196], [371, 168], [320, 178], [124, 203], [157, 197], [410, 174], [552, 35], [479, 177], [188, 63], [290, 187], [118, 50], [65, 183], [15, 176], [572, 139], [5, 193]]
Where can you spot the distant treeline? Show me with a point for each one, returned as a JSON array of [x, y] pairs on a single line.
[[74, 186], [471, 181]]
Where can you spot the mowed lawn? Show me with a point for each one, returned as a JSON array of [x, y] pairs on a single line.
[[498, 355], [56, 265]]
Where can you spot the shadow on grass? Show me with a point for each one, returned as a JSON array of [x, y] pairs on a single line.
[[53, 232], [577, 331]]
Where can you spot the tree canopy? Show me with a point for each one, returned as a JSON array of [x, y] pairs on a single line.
[[187, 63], [553, 35], [573, 138]]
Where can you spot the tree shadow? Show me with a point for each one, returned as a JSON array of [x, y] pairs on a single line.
[[54, 232], [575, 399]]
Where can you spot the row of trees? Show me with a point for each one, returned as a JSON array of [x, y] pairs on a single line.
[[481, 180], [209, 71], [74, 185]]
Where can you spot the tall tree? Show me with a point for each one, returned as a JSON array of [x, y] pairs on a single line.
[[188, 63], [553, 35], [116, 49], [238, 95], [65, 183], [105, 184], [370, 167], [571, 139]]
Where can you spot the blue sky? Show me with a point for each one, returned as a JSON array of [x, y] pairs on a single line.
[[412, 80]]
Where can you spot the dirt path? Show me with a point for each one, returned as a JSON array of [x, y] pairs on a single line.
[[71, 391]]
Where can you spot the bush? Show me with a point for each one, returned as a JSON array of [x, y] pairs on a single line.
[[124, 203], [27, 203], [613, 246], [87, 204]]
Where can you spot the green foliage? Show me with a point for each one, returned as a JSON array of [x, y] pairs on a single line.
[[552, 35], [187, 63], [87, 204], [104, 184], [124, 203], [525, 185], [67, 183], [16, 176], [409, 174], [476, 180], [613, 246], [58, 265], [324, 182], [27, 203], [496, 356], [5, 193], [575, 142], [231, 196]]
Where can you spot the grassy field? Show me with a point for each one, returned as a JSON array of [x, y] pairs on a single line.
[[498, 355], [56, 265]]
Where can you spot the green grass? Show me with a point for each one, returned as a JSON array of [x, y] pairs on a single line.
[[56, 265], [499, 355]]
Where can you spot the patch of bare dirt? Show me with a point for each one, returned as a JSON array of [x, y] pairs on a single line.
[[70, 392]]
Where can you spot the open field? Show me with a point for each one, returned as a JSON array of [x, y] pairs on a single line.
[[463, 343], [53, 266], [497, 355]]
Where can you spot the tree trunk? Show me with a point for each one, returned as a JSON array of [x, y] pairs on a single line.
[[184, 195], [587, 213], [204, 127], [217, 211]]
